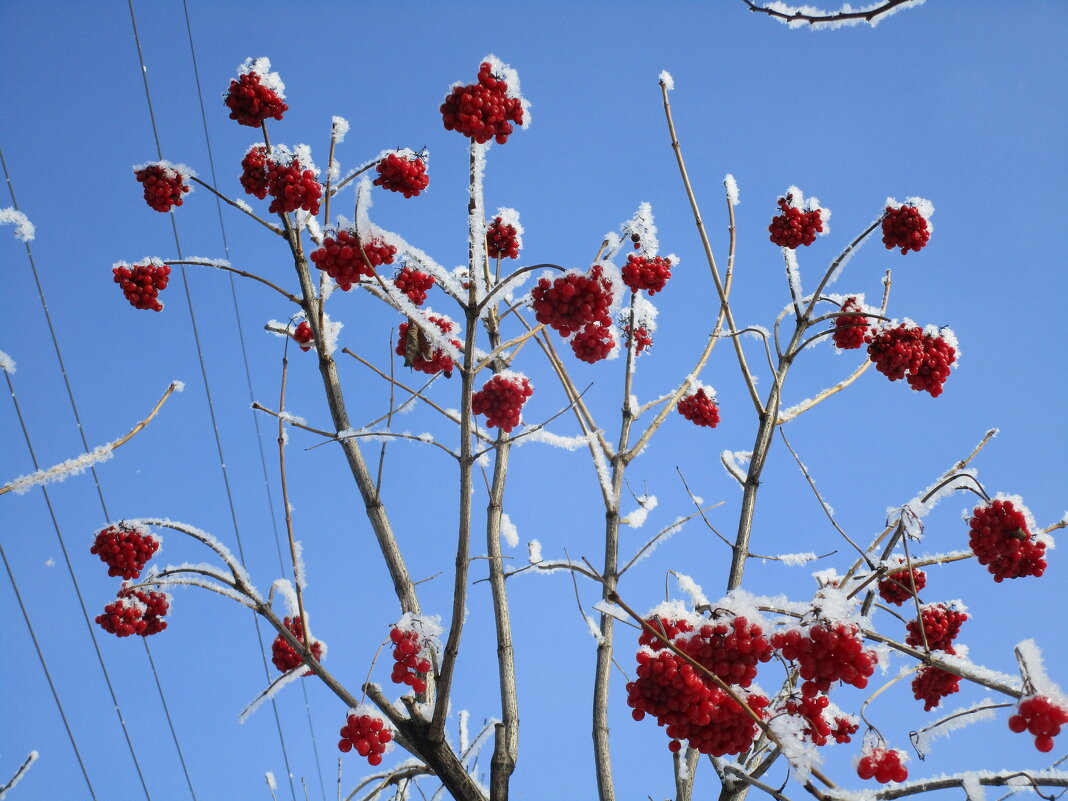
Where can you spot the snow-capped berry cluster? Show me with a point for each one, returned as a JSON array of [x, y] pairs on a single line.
[[907, 351], [284, 655], [827, 652], [254, 172], [574, 300], [850, 329], [405, 175], [884, 765], [1040, 716], [367, 734], [125, 549], [649, 274], [142, 283], [304, 336], [135, 612], [292, 187], [411, 664], [793, 226], [164, 184], [933, 684], [941, 625], [896, 588], [502, 240], [482, 110], [641, 336], [501, 399], [818, 729], [340, 258], [413, 283], [730, 647], [419, 352], [256, 94], [905, 227], [700, 407], [593, 343], [1000, 539]]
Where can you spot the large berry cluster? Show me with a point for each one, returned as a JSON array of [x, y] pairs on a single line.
[[794, 227], [135, 612], [1041, 717], [818, 729], [413, 283], [730, 648], [827, 652], [398, 174], [884, 765], [906, 228], [411, 666], [700, 408], [850, 329], [574, 300], [593, 343], [340, 258], [304, 336], [284, 655], [933, 684], [142, 283], [648, 274], [999, 538], [256, 95], [419, 352], [254, 171], [124, 549], [501, 399], [896, 588], [164, 185], [941, 625], [482, 110], [292, 187], [909, 352], [502, 240], [367, 734]]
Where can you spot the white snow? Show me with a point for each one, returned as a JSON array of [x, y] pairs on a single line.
[[663, 535], [7, 364], [24, 229], [831, 24], [636, 519], [732, 189], [23, 769], [692, 589], [534, 552], [464, 737], [957, 719], [340, 127], [612, 610], [61, 471], [245, 207], [330, 332], [793, 273], [667, 80], [270, 780], [262, 67], [1034, 670], [794, 559], [508, 531], [546, 437], [919, 509]]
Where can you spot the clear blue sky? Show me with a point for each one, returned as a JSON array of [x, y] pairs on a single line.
[[962, 103]]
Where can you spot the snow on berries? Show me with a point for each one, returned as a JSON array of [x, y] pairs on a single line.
[[700, 406], [403, 172], [284, 656], [304, 336], [826, 651], [593, 343], [896, 587], [419, 351], [413, 283], [291, 181], [366, 733], [135, 612], [933, 684], [1002, 539], [574, 300], [922, 357], [487, 109], [799, 221], [340, 257], [254, 171], [814, 710], [941, 625], [907, 226], [650, 274], [125, 548], [411, 664], [501, 399], [1041, 717], [256, 94], [141, 283], [504, 237], [164, 183], [642, 338], [850, 329], [884, 765]]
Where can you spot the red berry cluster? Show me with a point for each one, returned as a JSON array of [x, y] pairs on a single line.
[[501, 399], [341, 258], [850, 329], [941, 625], [254, 171], [884, 765], [482, 110], [251, 102], [648, 274], [164, 185], [304, 336], [125, 549], [367, 734], [896, 588], [284, 655], [794, 227], [811, 709], [135, 612], [700, 408], [572, 301], [641, 336], [905, 228], [292, 187], [730, 648], [827, 652], [142, 283], [1041, 717], [502, 240], [933, 684], [427, 359], [593, 343], [398, 174], [413, 283], [999, 538], [908, 352], [411, 665]]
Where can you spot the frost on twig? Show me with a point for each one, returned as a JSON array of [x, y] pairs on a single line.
[[819, 20], [24, 229], [19, 774]]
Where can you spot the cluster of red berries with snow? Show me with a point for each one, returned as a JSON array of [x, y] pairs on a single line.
[[572, 301], [648, 274], [164, 185], [142, 283], [907, 351], [502, 240], [292, 187], [254, 173], [404, 175], [933, 684], [304, 336], [1040, 716], [284, 655], [850, 329], [884, 765], [413, 283], [593, 343], [124, 549], [641, 336], [700, 408], [906, 228], [730, 647], [135, 612], [896, 588], [941, 625], [255, 95], [810, 708], [1000, 539], [827, 652], [793, 226], [419, 352], [367, 734], [340, 258], [501, 399], [482, 110], [411, 665]]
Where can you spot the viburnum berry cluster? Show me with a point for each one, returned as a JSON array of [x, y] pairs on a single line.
[[125, 549], [941, 625], [884, 765], [650, 274], [700, 407], [593, 343], [164, 184], [292, 185], [141, 283], [896, 588], [1000, 539], [135, 612], [304, 336], [818, 729], [730, 646], [340, 258], [573, 301], [905, 227], [501, 399], [502, 240], [1041, 717], [932, 684], [826, 652], [257, 94], [642, 338], [411, 665], [850, 329], [413, 283], [482, 110], [254, 171], [406, 175], [284, 656], [907, 351], [419, 352], [793, 226], [367, 734]]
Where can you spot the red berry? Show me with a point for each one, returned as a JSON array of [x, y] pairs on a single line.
[[257, 94], [1000, 539], [794, 227], [413, 283], [291, 183], [642, 338], [884, 765], [701, 407], [896, 587], [255, 171], [648, 274], [827, 652], [503, 240], [285, 656], [164, 183], [1041, 717], [125, 549], [411, 664], [141, 283], [850, 329], [418, 350], [365, 732], [933, 684], [135, 612], [482, 110], [304, 336], [574, 300], [406, 175], [922, 357], [593, 343], [905, 227], [340, 258], [941, 625], [501, 399]]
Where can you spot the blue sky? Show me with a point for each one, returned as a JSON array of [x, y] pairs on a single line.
[[960, 103]]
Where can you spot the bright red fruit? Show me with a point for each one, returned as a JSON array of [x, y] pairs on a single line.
[[1000, 539], [257, 94], [284, 655], [367, 734], [701, 407], [593, 343], [482, 110], [1040, 716], [135, 612], [827, 652], [292, 185], [884, 765], [255, 171], [920, 357], [142, 283], [648, 274], [304, 336], [412, 664], [413, 283], [502, 240], [405, 175], [906, 228], [340, 258], [164, 184], [941, 625], [896, 588], [933, 684], [125, 549], [794, 227], [574, 300], [850, 329], [501, 399], [419, 352]]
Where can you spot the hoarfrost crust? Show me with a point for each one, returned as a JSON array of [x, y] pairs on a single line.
[[7, 364], [24, 229], [793, 16], [262, 67], [666, 79], [732, 189]]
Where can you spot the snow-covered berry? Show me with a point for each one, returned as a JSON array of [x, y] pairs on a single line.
[[907, 351], [896, 588], [340, 257], [284, 656], [164, 184], [411, 664], [419, 352], [292, 187], [255, 171], [502, 240], [405, 175], [141, 283], [304, 336], [482, 110], [125, 549], [256, 94], [1041, 717], [941, 625], [700, 407], [135, 612], [906, 228], [793, 226], [1000, 539], [933, 684], [827, 652], [650, 274], [850, 329], [413, 283], [501, 399], [884, 765], [572, 301], [367, 734]]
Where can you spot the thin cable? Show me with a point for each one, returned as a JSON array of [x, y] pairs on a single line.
[[48, 675]]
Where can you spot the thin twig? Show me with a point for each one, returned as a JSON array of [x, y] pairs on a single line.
[[237, 205]]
